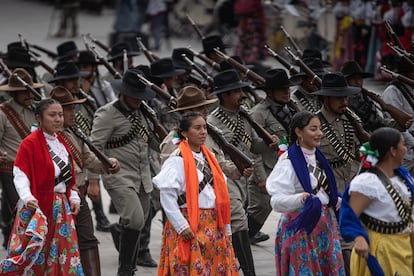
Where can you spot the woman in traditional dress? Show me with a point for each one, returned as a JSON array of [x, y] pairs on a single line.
[[382, 199], [43, 239], [303, 188], [194, 196]]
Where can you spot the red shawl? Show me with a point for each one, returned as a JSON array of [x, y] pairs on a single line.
[[191, 182], [33, 158]]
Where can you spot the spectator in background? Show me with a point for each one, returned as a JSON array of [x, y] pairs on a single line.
[[156, 11], [70, 10]]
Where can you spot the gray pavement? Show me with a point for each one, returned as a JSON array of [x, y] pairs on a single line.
[[35, 20]]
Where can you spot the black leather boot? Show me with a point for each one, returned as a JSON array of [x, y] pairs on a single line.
[[128, 248], [90, 262], [255, 235], [243, 252], [115, 229], [102, 222], [144, 255]]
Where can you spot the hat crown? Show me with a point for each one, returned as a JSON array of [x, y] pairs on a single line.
[[315, 64], [66, 68], [62, 95], [226, 78], [211, 42], [66, 48], [178, 52], [23, 74], [312, 53], [19, 54], [130, 78], [189, 97], [276, 78], [334, 80], [162, 66], [351, 67], [86, 57]]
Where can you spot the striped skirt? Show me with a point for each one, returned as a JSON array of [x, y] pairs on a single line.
[[211, 252], [40, 247], [318, 253]]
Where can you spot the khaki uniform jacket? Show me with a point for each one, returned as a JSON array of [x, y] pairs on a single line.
[[135, 171], [89, 159], [9, 138], [306, 101], [345, 172], [262, 114], [254, 150], [169, 120]]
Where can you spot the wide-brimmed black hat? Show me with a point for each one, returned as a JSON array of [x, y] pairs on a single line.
[[352, 68], [131, 86], [226, 81], [117, 50], [66, 70], [278, 79], [18, 56], [402, 66], [211, 42], [178, 59], [315, 53], [164, 68], [335, 85], [316, 65], [66, 49], [86, 58]]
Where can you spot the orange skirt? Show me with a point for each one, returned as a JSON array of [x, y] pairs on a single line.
[[211, 251]]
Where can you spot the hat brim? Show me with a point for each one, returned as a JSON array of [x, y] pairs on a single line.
[[338, 92], [206, 102], [129, 54], [293, 81], [79, 101], [67, 77], [68, 54], [174, 73], [230, 87], [363, 75], [17, 64], [179, 64], [132, 91], [6, 87]]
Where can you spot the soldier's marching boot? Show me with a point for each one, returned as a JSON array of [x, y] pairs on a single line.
[[128, 248], [243, 252], [90, 262], [255, 235], [144, 255], [102, 222], [115, 229]]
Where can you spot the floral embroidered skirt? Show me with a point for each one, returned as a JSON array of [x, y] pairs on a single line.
[[211, 251], [40, 247], [316, 254]]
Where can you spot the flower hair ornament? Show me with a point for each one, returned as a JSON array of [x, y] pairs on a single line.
[[176, 138], [368, 156], [283, 145]]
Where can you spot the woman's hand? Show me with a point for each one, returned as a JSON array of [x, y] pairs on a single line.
[[32, 204], [187, 234], [361, 247], [304, 197], [74, 208]]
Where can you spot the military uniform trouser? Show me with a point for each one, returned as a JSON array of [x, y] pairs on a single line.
[[155, 206], [132, 206], [84, 227], [259, 207], [238, 200], [9, 198]]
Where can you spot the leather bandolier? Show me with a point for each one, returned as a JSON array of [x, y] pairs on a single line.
[[283, 113], [76, 153], [306, 102]]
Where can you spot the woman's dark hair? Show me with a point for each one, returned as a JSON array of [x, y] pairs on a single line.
[[299, 120], [383, 139], [43, 105], [186, 121]]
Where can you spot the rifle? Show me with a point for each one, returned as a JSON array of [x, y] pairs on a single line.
[[152, 116], [206, 76], [108, 66], [236, 155], [97, 42], [43, 64], [400, 116], [292, 70], [89, 101], [6, 70], [397, 76], [360, 132], [99, 154], [125, 60], [86, 42], [261, 131], [406, 56], [49, 53], [256, 78], [195, 27], [150, 56], [292, 41], [393, 35], [172, 101], [315, 79], [206, 60], [28, 87]]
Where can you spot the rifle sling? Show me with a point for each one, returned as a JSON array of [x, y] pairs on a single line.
[[77, 155], [15, 120]]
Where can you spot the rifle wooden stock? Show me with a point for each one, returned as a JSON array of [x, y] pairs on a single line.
[[45, 66], [292, 70], [256, 78], [360, 132], [205, 76], [28, 87], [172, 101], [205, 59], [99, 43], [105, 63], [393, 35], [150, 114], [261, 131], [401, 53], [292, 41], [49, 53], [315, 79], [397, 76], [99, 154], [195, 27], [6, 70], [241, 160], [400, 116], [148, 54]]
